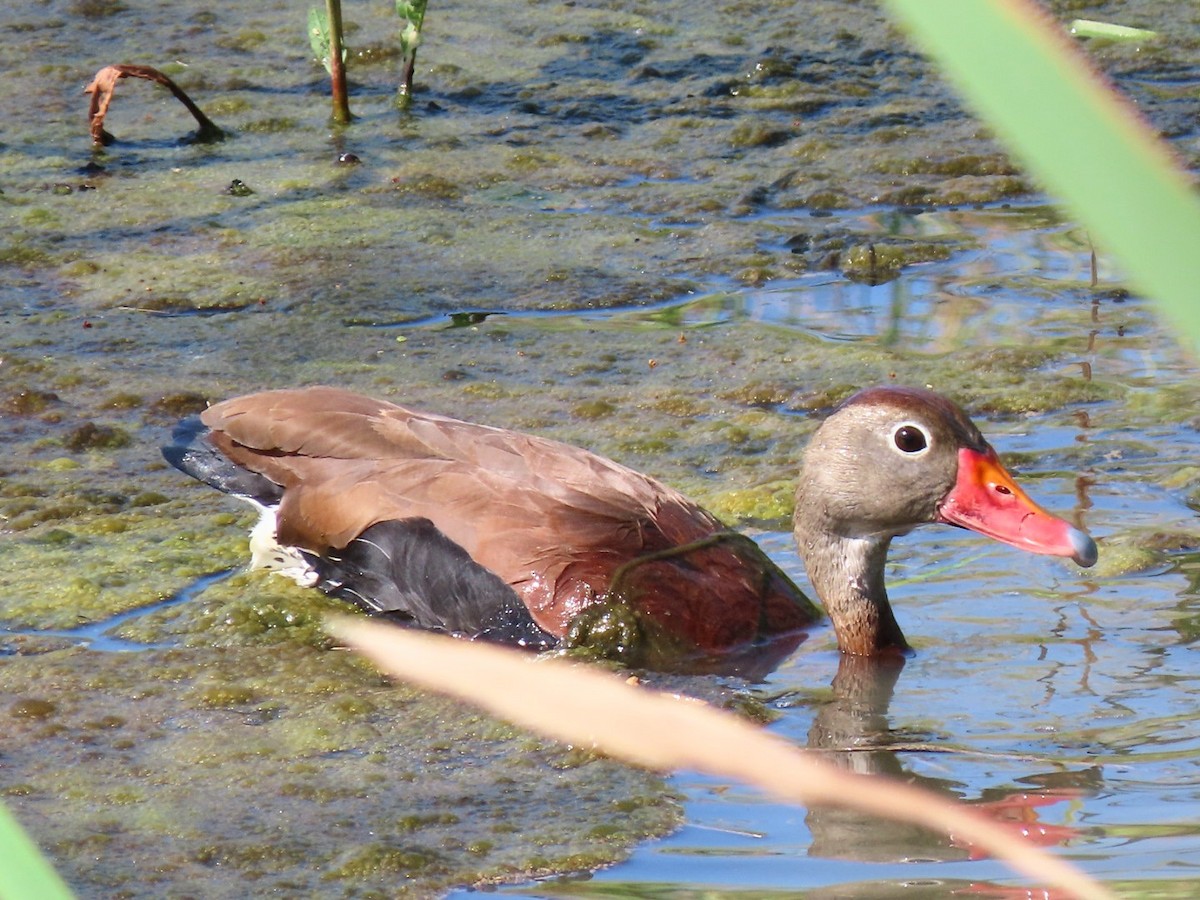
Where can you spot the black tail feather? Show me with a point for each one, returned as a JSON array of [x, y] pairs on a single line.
[[409, 570], [192, 453], [405, 569]]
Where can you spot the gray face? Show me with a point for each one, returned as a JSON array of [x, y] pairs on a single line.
[[882, 463]]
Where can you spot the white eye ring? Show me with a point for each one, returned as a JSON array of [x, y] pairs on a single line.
[[910, 439]]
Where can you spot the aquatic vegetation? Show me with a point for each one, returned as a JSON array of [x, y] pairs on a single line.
[[195, 293], [340, 746], [325, 37], [585, 706], [413, 14], [103, 86]]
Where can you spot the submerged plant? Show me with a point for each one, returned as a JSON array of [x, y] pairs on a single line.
[[325, 38], [413, 14]]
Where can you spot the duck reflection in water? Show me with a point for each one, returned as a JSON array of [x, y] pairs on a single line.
[[852, 730]]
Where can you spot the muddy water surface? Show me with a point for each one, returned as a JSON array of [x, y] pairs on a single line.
[[692, 228]]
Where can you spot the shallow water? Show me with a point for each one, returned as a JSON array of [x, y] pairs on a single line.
[[1061, 699], [663, 207]]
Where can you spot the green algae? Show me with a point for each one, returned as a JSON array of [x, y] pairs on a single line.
[[286, 766], [105, 563], [91, 436], [248, 608], [375, 860], [876, 263], [28, 401], [1146, 549], [771, 503], [32, 708]]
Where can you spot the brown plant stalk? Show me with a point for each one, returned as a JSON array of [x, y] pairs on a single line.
[[104, 84], [337, 65], [587, 706]]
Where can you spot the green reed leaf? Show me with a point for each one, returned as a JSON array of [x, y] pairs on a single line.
[[1072, 131], [24, 873]]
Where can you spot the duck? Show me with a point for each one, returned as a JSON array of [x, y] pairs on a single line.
[[497, 535]]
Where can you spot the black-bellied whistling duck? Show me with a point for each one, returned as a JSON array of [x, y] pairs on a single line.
[[503, 536]]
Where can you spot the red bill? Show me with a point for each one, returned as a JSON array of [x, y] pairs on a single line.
[[986, 499]]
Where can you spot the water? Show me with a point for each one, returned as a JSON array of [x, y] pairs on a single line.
[[1062, 705], [102, 635], [1060, 701]]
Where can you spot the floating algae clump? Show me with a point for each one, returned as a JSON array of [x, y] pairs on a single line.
[[291, 756]]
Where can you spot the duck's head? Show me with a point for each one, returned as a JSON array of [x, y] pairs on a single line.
[[890, 459]]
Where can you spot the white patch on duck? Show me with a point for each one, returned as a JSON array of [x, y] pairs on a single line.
[[267, 553]]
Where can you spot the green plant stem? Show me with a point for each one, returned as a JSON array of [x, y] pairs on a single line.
[[406, 79], [413, 14], [337, 65]]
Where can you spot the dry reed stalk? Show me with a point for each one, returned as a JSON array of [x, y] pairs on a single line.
[[104, 84], [590, 707]]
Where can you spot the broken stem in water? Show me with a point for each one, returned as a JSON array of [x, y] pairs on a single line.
[[104, 84]]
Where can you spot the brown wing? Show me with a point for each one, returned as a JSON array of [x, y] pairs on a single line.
[[551, 519], [329, 423]]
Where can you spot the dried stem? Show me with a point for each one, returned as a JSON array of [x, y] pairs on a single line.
[[102, 89], [589, 707]]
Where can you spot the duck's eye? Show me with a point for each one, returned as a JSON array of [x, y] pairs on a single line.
[[910, 439]]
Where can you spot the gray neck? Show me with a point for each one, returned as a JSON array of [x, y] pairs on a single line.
[[847, 574]]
